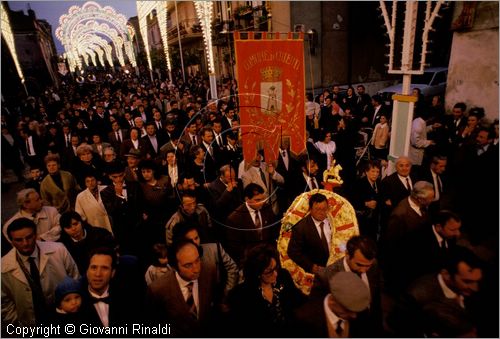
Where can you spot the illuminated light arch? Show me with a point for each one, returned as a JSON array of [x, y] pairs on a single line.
[[85, 57], [93, 11], [94, 28], [144, 8], [9, 39], [104, 48], [96, 48]]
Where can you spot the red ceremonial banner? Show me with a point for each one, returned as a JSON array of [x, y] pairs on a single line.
[[271, 84]]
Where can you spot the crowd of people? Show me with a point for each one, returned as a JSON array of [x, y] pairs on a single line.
[[140, 208]]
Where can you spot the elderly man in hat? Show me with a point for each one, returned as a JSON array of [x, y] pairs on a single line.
[[335, 316], [132, 170]]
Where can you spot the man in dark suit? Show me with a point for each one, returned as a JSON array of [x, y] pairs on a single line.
[[153, 141], [399, 241], [100, 122], [435, 174], [227, 119], [398, 185], [69, 156], [184, 297], [117, 135], [134, 142], [475, 171], [123, 202], [251, 223], [456, 285], [306, 179], [102, 304], [311, 237], [169, 130], [373, 114], [219, 139], [334, 316], [212, 155], [367, 201], [159, 123], [224, 196], [438, 240], [456, 123], [232, 153], [64, 140], [190, 136], [360, 258], [288, 167], [32, 147]]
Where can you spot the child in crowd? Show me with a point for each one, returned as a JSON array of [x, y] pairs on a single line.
[[68, 300], [160, 266], [380, 139]]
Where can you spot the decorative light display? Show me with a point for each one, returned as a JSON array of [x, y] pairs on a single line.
[[161, 14], [9, 39], [92, 11], [204, 11], [145, 8], [82, 31], [92, 43], [100, 46]]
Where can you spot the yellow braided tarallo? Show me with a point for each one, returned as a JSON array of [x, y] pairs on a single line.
[[342, 218]]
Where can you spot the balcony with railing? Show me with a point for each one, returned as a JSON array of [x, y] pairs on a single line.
[[189, 29]]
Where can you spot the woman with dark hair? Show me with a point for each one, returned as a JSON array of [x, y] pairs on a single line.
[[350, 100], [262, 305], [80, 238], [197, 165], [158, 201], [327, 148], [468, 134]]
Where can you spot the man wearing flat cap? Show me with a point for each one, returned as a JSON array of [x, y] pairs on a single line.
[[334, 316], [123, 200]]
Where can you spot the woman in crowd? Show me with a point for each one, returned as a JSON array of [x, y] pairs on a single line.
[[197, 166], [158, 201], [262, 305], [80, 238], [327, 148], [59, 188], [87, 162]]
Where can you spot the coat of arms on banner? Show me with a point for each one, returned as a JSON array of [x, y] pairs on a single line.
[[271, 89]]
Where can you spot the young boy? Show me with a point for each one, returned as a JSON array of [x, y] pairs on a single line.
[[68, 301]]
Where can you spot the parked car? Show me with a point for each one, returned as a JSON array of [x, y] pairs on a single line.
[[432, 82]]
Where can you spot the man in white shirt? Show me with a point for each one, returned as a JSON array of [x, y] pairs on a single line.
[[103, 302], [311, 238]]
